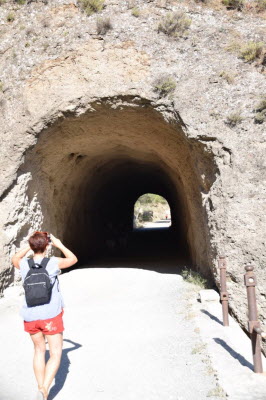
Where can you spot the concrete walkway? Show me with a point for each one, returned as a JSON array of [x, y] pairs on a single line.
[[131, 334]]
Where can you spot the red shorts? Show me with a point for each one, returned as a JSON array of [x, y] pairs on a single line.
[[49, 326]]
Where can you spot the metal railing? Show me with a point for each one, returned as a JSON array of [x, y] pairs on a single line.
[[254, 327], [223, 294]]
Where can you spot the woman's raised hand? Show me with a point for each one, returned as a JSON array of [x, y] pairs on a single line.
[[55, 242]]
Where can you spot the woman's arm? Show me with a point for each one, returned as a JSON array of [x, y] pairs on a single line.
[[19, 255], [70, 258]]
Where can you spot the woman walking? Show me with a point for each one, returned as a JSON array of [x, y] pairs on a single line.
[[44, 321]]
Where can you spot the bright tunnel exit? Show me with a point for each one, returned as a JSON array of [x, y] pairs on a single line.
[[151, 211]]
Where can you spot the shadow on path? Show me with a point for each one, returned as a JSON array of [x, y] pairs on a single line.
[[61, 375], [234, 354], [212, 316]]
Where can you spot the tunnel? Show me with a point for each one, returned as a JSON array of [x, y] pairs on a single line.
[[85, 173], [109, 210]]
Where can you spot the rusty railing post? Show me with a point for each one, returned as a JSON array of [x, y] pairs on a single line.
[[253, 324], [224, 294]]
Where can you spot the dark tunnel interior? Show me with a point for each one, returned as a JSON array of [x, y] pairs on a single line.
[[106, 219]]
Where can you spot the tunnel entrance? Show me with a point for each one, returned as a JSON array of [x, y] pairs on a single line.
[[85, 173]]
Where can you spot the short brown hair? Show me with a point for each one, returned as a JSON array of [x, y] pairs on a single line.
[[39, 241]]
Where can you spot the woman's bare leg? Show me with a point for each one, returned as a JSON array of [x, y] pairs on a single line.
[[39, 357], [55, 343]]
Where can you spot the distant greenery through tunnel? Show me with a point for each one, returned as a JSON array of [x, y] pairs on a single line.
[[151, 211]]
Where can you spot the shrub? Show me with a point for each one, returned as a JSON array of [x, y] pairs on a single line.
[[21, 2], [251, 50], [135, 12], [194, 277], [260, 117], [261, 5], [150, 198], [174, 24], [234, 4], [260, 110], [234, 119], [234, 46], [261, 106], [228, 76], [1, 87], [10, 17], [91, 6], [103, 25], [164, 85]]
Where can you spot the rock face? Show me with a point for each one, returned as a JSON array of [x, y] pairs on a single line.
[[85, 130]]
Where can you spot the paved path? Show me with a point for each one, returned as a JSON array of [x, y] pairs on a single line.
[[131, 334], [127, 337], [157, 224]]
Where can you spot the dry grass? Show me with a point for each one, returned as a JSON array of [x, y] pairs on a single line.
[[248, 51], [198, 348], [174, 24], [228, 76], [262, 105], [234, 45], [194, 277], [217, 392], [234, 4], [251, 50], [10, 17], [260, 111], [234, 119], [248, 7], [135, 12], [103, 25], [91, 6], [260, 5], [164, 85]]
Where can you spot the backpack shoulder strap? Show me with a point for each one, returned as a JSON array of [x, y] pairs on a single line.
[[45, 262], [31, 263]]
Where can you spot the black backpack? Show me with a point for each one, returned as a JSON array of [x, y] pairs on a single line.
[[37, 284]]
